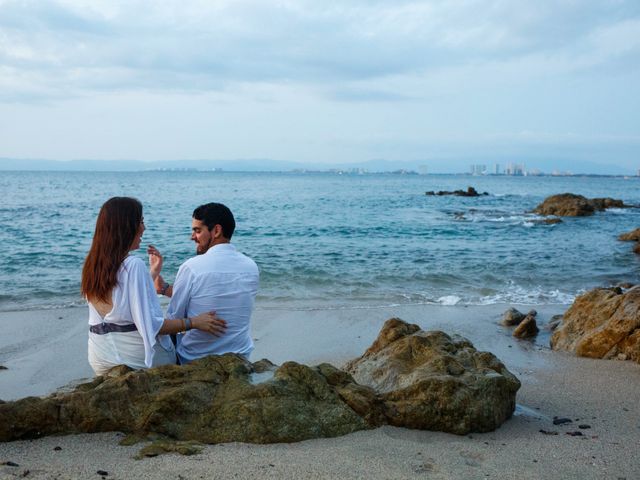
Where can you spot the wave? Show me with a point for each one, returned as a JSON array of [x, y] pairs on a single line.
[[449, 300]]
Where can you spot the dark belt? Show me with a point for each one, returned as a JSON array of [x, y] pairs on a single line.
[[104, 328]]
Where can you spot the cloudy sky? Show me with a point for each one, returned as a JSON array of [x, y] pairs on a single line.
[[322, 81]]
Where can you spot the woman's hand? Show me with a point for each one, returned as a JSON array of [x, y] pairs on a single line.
[[210, 323], [155, 261]]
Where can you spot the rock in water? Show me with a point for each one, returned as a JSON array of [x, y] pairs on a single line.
[[469, 192], [429, 380], [632, 236], [527, 328], [555, 321], [602, 323], [572, 205], [512, 317], [211, 400], [565, 205], [604, 203]]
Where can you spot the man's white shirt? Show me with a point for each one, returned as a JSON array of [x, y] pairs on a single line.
[[223, 280]]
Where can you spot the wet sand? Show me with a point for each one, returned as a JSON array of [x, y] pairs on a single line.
[[44, 350]]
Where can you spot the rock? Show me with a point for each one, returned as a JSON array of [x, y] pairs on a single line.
[[632, 236], [545, 221], [565, 205], [469, 192], [572, 205], [2, 367], [512, 317], [561, 421], [408, 378], [160, 447], [527, 328], [211, 400], [104, 473], [554, 323], [433, 381], [604, 203], [584, 426], [602, 323]]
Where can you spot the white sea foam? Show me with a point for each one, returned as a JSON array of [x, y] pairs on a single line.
[[449, 300], [618, 211], [536, 295]]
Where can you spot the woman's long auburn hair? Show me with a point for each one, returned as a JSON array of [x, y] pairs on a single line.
[[116, 228]]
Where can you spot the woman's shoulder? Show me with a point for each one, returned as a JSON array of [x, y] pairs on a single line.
[[133, 264]]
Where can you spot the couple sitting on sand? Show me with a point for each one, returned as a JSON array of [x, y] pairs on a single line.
[[211, 300]]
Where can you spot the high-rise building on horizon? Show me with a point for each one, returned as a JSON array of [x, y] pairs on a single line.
[[478, 169], [514, 169]]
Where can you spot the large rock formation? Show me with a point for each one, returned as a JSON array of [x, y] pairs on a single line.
[[572, 205], [408, 378], [216, 399], [429, 380], [602, 323]]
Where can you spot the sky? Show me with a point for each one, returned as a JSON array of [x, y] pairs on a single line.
[[442, 83]]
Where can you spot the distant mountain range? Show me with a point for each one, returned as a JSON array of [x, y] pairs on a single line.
[[458, 165]]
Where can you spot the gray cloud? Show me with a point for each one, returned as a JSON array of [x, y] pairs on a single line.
[[186, 46]]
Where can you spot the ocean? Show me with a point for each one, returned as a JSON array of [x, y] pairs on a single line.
[[330, 239]]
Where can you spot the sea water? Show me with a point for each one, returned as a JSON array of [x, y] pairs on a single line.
[[329, 238]]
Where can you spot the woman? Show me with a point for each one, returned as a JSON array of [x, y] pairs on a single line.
[[126, 325]]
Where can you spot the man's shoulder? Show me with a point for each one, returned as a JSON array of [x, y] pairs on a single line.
[[190, 266], [223, 261], [246, 261]]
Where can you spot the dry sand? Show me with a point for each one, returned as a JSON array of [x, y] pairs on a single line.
[[44, 350]]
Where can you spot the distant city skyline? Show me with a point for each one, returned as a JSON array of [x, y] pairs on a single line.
[[550, 84], [267, 165]]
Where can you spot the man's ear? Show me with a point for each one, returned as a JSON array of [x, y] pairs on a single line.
[[217, 231]]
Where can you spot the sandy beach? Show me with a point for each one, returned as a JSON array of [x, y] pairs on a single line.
[[45, 350]]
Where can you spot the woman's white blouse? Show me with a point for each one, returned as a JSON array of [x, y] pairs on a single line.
[[135, 300]]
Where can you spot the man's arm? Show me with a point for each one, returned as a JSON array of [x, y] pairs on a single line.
[[162, 287], [180, 293]]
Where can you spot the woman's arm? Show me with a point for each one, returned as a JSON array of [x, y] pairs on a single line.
[[206, 322]]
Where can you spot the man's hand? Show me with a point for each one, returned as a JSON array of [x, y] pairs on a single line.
[[155, 262], [210, 323]]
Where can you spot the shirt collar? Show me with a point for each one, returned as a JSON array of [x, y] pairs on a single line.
[[221, 247]]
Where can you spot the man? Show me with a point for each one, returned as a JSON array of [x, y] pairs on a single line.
[[219, 278]]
